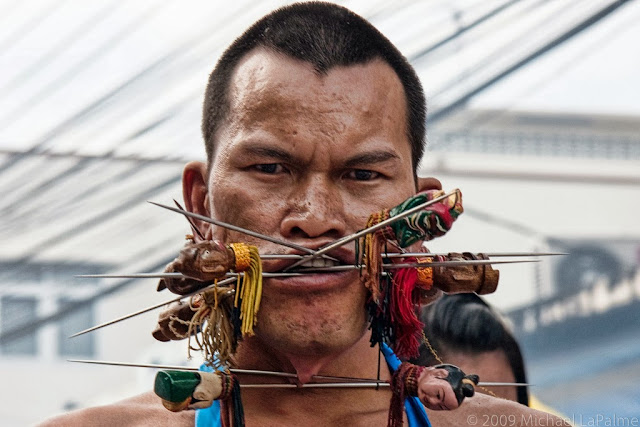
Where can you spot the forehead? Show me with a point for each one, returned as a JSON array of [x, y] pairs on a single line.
[[269, 86]]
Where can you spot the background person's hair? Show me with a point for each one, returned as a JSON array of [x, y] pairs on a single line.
[[465, 323], [325, 35]]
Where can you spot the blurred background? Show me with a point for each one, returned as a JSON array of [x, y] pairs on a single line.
[[534, 112]]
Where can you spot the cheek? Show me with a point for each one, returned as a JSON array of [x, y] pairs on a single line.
[[240, 204], [451, 402], [360, 208]]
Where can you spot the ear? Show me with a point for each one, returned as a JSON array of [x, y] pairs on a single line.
[[429, 183], [196, 195]]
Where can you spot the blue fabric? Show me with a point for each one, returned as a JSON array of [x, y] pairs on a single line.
[[416, 414], [208, 417]]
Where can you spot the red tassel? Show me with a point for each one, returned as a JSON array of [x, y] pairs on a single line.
[[404, 382], [403, 313]]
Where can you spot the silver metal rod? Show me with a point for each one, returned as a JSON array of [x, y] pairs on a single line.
[[183, 368], [320, 385], [191, 223], [352, 383], [456, 263], [133, 365], [153, 307], [239, 229], [367, 384], [172, 275], [281, 256], [357, 235], [234, 370], [312, 270], [500, 384], [492, 254]]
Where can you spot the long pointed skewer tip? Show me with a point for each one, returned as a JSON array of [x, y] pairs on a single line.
[[193, 226], [150, 308], [241, 230]]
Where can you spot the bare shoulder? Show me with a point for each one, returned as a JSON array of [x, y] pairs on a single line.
[[142, 410], [482, 410]]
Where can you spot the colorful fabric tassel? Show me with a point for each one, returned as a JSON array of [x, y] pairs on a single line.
[[431, 222], [407, 327], [404, 382], [214, 319], [249, 287], [380, 315], [232, 411], [371, 251], [424, 280]]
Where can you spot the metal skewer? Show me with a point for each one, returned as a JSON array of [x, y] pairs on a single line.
[[241, 230], [345, 382], [174, 275], [193, 225], [423, 255], [153, 307], [366, 384], [336, 268], [357, 235], [455, 263], [492, 254], [233, 370], [312, 270]]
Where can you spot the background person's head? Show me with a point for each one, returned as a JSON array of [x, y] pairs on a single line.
[[324, 35], [465, 331]]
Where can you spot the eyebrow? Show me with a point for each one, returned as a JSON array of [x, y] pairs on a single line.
[[368, 158], [274, 153], [371, 157]]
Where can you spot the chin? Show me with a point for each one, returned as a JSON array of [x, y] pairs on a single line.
[[311, 324]]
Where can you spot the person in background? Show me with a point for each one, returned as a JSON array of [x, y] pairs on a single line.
[[465, 331]]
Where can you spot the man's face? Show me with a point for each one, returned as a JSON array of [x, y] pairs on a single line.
[[307, 158]]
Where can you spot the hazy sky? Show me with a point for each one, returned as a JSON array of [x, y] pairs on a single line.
[[596, 72]]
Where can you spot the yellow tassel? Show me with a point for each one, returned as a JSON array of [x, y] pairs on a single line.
[[249, 288]]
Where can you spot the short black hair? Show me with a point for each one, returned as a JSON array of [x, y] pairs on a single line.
[[325, 35], [465, 323]]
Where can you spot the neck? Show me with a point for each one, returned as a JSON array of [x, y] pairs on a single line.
[[360, 360]]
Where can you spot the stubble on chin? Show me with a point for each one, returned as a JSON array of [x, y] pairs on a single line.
[[310, 325]]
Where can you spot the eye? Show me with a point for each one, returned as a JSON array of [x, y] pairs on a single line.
[[363, 175], [269, 168]]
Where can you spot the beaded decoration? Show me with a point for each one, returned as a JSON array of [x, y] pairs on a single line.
[[392, 307]]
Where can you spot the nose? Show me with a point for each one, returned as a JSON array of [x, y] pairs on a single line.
[[315, 210]]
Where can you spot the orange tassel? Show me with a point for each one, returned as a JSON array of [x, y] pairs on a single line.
[[373, 245]]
